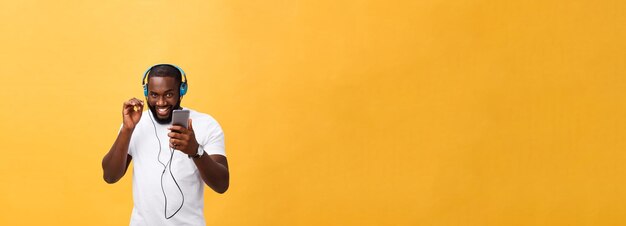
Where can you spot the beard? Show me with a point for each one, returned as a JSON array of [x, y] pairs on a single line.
[[163, 121]]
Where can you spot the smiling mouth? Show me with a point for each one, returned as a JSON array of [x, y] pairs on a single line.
[[163, 111]]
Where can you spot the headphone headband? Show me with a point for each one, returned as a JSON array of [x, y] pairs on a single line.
[[183, 84]]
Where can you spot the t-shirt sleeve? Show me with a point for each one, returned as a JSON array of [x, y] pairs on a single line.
[[214, 142]]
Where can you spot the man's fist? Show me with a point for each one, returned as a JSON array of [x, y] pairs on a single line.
[[183, 139]]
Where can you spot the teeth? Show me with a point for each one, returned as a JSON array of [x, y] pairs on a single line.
[[162, 110]]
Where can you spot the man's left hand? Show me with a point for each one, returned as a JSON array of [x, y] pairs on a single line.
[[183, 139]]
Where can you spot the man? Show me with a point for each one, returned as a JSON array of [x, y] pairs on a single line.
[[171, 161]]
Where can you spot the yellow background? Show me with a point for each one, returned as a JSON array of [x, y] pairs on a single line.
[[335, 112]]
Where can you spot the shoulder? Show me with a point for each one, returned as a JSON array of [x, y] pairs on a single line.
[[202, 119]]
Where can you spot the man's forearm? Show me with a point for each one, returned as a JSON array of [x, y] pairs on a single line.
[[214, 173], [114, 163]]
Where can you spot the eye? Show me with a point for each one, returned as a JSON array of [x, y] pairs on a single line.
[[169, 95], [154, 95]]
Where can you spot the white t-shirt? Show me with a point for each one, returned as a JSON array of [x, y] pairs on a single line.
[[148, 172]]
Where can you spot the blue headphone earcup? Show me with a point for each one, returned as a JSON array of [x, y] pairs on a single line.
[[183, 89], [145, 90]]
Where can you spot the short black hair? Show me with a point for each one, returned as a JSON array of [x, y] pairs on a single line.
[[165, 70]]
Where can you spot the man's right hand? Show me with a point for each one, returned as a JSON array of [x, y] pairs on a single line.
[[131, 113]]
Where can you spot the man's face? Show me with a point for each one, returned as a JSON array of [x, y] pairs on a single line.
[[163, 98]]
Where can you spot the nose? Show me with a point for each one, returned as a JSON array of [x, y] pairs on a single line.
[[161, 101]]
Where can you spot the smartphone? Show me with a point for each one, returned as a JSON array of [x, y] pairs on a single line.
[[180, 117]]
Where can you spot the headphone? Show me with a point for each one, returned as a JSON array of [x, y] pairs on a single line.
[[183, 84]]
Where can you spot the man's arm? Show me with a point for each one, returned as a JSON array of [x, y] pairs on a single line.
[[213, 168], [214, 171], [116, 161]]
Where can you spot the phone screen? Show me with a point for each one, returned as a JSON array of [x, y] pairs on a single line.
[[180, 117]]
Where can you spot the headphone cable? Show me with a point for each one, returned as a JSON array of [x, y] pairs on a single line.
[[169, 162]]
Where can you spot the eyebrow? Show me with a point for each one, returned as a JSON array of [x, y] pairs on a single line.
[[169, 90]]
